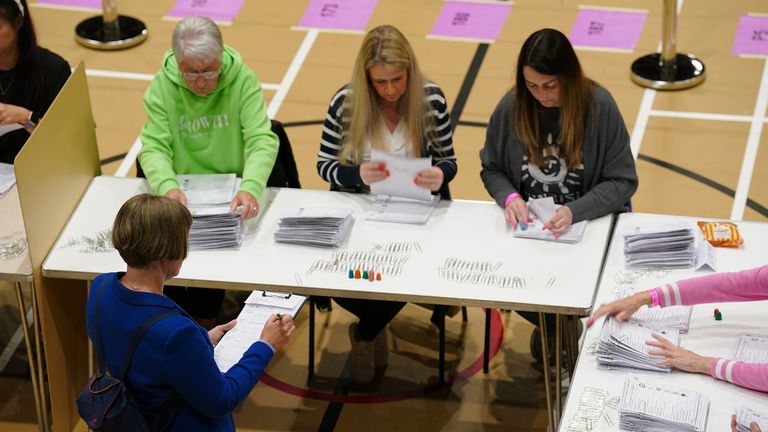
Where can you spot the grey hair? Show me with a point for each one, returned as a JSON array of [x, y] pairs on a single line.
[[198, 38]]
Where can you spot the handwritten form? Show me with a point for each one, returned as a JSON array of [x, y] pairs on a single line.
[[259, 307]]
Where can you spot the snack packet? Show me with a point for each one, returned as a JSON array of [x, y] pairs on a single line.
[[721, 234]]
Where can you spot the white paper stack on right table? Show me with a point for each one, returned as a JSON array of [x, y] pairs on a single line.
[[648, 405]]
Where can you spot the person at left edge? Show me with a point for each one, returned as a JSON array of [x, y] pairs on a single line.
[[30, 77], [206, 114]]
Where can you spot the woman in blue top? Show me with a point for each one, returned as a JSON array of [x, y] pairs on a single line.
[[175, 355]]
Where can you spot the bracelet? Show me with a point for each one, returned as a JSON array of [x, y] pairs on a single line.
[[513, 196], [654, 297]]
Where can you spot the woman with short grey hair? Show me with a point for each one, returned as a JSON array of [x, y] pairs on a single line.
[[197, 37]]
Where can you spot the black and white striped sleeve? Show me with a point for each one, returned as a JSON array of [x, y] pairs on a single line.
[[328, 165], [441, 150]]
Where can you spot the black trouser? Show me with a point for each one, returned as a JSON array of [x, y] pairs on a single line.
[[202, 303], [374, 315], [533, 318]]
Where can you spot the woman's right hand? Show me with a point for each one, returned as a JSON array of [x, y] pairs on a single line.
[[178, 195], [372, 172], [621, 309], [278, 330], [753, 427], [517, 212]]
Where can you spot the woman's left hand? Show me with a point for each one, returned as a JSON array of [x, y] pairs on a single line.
[[753, 427], [678, 357], [561, 221], [218, 332], [248, 202], [10, 114], [431, 179]]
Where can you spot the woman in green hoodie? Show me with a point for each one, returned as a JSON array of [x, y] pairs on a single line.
[[206, 114]]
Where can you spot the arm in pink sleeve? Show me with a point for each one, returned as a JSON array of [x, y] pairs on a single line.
[[750, 375], [745, 285]]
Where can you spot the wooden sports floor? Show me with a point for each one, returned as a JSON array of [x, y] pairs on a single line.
[[701, 152]]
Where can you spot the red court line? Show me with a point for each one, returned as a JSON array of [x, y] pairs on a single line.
[[497, 335]]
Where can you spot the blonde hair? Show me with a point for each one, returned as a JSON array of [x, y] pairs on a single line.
[[150, 228], [384, 45]]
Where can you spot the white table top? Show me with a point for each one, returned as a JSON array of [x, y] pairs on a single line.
[[705, 336], [470, 230], [11, 229]]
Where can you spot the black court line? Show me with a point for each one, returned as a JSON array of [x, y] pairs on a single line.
[[701, 179], [333, 410], [466, 86], [114, 158]]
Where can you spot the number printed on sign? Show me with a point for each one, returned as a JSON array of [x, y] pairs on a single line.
[[199, 3], [595, 28], [460, 18], [760, 35], [329, 10]]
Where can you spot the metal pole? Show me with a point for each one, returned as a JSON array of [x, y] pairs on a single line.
[[110, 31]]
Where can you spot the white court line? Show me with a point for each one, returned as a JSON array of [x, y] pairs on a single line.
[[14, 342], [701, 116], [129, 159], [290, 74], [100, 73], [750, 153], [641, 121]]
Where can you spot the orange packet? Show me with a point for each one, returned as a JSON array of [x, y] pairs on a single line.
[[721, 234]]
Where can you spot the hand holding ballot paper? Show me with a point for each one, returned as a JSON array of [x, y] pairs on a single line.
[[539, 227]]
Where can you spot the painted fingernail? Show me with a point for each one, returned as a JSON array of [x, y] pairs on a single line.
[[523, 226], [387, 173], [557, 236], [382, 166]]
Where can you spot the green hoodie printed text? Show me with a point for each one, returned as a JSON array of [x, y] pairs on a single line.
[[226, 131]]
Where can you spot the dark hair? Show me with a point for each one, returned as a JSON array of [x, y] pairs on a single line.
[[28, 84], [549, 52], [151, 228]]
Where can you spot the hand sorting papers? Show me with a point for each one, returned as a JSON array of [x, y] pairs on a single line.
[[647, 405], [326, 227], [745, 417], [622, 346], [672, 317], [544, 209], [208, 199], [259, 306], [670, 246], [402, 171]]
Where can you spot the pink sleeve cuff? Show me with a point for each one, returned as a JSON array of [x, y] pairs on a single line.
[[511, 197]]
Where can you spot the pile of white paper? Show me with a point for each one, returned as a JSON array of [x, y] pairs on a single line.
[[647, 405], [325, 227], [672, 317], [659, 247], [209, 197], [622, 345], [401, 210], [751, 349], [543, 209], [259, 306], [7, 178], [746, 416]]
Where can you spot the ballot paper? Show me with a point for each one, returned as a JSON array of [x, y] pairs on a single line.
[[259, 307], [401, 210], [7, 178], [314, 226], [672, 317], [402, 171], [209, 198], [622, 345], [746, 416], [660, 246], [543, 209], [648, 405], [751, 349]]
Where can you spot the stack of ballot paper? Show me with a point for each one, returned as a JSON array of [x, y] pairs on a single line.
[[622, 346], [543, 209], [648, 405], [659, 247], [751, 349], [326, 227], [7, 178], [746, 416], [209, 197], [672, 317], [259, 307], [388, 208]]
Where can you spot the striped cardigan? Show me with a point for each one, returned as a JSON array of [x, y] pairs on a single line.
[[347, 176], [746, 285]]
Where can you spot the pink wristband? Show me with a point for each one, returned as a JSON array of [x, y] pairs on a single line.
[[654, 297], [512, 196]]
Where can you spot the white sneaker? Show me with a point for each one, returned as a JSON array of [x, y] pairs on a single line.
[[361, 358]]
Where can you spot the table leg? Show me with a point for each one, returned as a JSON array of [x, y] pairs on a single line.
[[558, 368], [311, 361], [36, 328], [30, 354], [547, 379], [487, 339]]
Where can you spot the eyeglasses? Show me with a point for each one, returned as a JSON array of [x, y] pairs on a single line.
[[193, 76]]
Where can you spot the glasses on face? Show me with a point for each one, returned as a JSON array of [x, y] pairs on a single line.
[[193, 76]]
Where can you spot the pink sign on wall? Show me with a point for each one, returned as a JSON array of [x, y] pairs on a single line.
[[751, 36], [611, 29], [344, 15], [473, 21], [79, 4], [217, 10]]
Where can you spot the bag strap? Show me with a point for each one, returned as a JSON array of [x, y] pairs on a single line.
[[97, 334], [137, 338]]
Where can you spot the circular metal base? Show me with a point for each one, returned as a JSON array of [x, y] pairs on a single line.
[[688, 71], [128, 32]]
